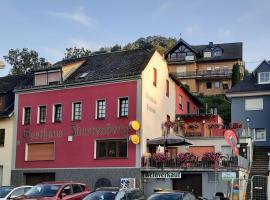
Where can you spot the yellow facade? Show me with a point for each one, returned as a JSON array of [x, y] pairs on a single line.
[[6, 150], [195, 75]]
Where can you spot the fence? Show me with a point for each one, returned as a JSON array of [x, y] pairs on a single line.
[[249, 189]]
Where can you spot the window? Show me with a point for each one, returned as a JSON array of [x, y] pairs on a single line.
[[2, 137], [100, 109], [41, 114], [188, 107], [217, 84], [77, 188], [207, 54], [27, 116], [208, 85], [111, 148], [217, 52], [167, 88], [180, 101], [123, 107], [254, 104], [225, 86], [57, 113], [67, 190], [77, 111], [260, 134], [264, 77], [39, 151], [155, 77]]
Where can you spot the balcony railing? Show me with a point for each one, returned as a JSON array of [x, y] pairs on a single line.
[[205, 74], [224, 163]]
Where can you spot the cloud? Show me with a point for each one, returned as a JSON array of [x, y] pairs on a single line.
[[78, 15], [54, 54]]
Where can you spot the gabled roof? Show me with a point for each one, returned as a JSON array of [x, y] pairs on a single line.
[[230, 51], [250, 83], [178, 44], [8, 83], [111, 65]]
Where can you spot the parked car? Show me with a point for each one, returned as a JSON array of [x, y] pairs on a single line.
[[172, 195], [56, 191], [105, 193], [10, 192], [114, 193]]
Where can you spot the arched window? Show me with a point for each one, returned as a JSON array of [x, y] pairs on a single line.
[[217, 51]]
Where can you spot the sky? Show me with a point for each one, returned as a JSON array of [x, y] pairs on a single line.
[[51, 26]]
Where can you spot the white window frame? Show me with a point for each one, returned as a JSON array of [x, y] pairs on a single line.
[[72, 113], [207, 54], [218, 84], [118, 106], [254, 108], [260, 140], [259, 78], [53, 112], [38, 114], [96, 110], [23, 114]]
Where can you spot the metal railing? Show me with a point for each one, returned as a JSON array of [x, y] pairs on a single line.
[[207, 73], [232, 162]]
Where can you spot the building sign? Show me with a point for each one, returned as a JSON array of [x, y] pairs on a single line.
[[162, 174], [228, 176], [135, 139], [45, 133]]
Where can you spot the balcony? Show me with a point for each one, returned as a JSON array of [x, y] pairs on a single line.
[[205, 74], [174, 163]]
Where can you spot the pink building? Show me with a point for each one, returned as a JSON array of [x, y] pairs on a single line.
[[73, 122]]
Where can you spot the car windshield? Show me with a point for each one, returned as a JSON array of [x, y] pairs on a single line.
[[43, 190], [101, 195], [5, 190], [166, 196]]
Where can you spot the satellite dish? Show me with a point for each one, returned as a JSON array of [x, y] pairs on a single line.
[[2, 64]]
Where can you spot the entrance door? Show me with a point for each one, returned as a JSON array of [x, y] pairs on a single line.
[[189, 182], [35, 178]]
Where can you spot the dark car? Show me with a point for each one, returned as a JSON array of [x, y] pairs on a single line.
[[56, 191], [114, 193], [172, 195]]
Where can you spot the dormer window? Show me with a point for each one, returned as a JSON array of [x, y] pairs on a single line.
[[264, 77], [217, 52], [207, 54]]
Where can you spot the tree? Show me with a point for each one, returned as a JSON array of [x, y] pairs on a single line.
[[75, 52], [219, 102], [235, 74], [246, 73], [24, 60], [162, 44], [116, 48]]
